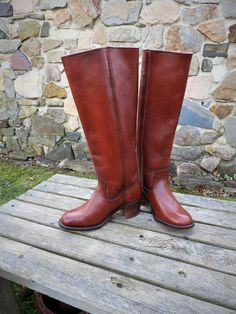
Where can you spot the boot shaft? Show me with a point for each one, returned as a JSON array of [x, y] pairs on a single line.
[[104, 84], [163, 82]]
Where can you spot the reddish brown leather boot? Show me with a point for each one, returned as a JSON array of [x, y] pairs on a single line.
[[163, 82], [104, 85]]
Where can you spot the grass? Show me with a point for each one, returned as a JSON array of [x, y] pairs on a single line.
[[17, 179]]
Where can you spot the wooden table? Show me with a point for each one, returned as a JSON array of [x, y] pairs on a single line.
[[127, 266]]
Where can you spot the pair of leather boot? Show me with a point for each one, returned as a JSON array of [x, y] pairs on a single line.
[[130, 151]]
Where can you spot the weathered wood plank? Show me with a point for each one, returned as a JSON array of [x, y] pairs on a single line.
[[8, 304], [209, 285], [65, 190], [50, 200], [202, 233], [82, 182], [201, 215], [213, 235], [187, 199], [208, 256], [207, 216], [91, 288]]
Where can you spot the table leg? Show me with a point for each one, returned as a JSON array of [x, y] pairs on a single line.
[[8, 303]]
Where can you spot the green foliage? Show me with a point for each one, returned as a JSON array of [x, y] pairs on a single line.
[[25, 299], [17, 179]]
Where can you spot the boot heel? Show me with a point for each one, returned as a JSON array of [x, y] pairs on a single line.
[[131, 210]]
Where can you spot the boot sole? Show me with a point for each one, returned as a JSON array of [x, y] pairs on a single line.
[[170, 225], [145, 201], [133, 208]]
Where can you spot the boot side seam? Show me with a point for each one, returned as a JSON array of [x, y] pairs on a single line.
[[143, 112], [117, 119]]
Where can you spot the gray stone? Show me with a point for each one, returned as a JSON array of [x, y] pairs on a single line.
[[63, 151], [10, 74], [229, 8], [210, 163], [83, 167], [54, 102], [186, 152], [27, 111], [4, 29], [221, 110], [28, 28], [84, 12], [226, 90], [31, 47], [30, 84], [8, 109], [196, 15], [3, 124], [22, 132], [19, 61], [52, 4], [119, 12], [124, 34], [9, 88], [160, 12], [62, 18], [198, 183], [6, 9], [46, 126], [207, 65], [232, 33], [36, 16], [185, 2], [194, 66], [3, 35], [52, 73], [230, 130], [47, 140], [49, 44], [16, 122], [29, 102], [45, 29], [214, 30], [73, 136], [188, 168], [215, 50], [187, 135], [22, 6], [57, 114], [225, 152], [9, 45], [12, 144], [54, 56], [209, 137], [80, 150], [207, 1], [194, 114], [18, 155], [183, 38], [8, 131], [37, 62], [227, 167], [155, 37], [69, 43]]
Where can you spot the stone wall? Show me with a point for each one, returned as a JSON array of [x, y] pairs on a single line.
[[37, 113]]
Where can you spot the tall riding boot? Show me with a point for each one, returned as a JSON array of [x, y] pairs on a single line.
[[163, 81], [104, 85]]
